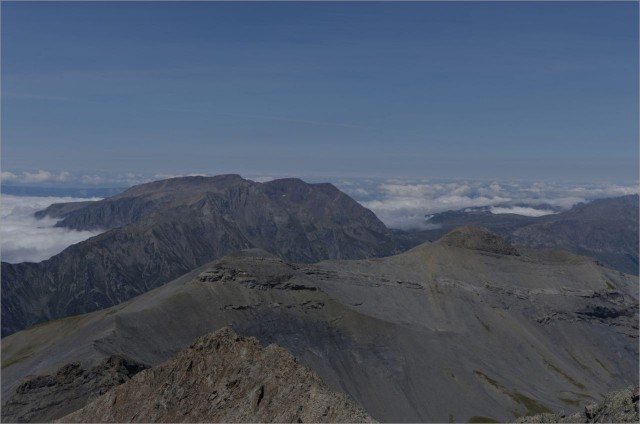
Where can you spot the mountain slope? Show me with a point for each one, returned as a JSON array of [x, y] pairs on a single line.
[[223, 377], [164, 229], [500, 332]]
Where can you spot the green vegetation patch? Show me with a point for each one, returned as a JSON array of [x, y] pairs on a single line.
[[484, 324], [564, 374], [20, 355], [481, 419], [532, 406], [602, 365], [571, 402], [489, 380], [582, 395], [576, 360]]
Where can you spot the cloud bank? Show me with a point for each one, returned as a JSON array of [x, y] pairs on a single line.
[[40, 176], [521, 210], [404, 204], [27, 239]]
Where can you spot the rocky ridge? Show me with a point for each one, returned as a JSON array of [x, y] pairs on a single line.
[[47, 397], [223, 377]]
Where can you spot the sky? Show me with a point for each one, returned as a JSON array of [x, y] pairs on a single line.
[[96, 91]]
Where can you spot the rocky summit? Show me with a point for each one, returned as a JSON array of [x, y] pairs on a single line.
[[223, 377], [164, 229], [447, 331]]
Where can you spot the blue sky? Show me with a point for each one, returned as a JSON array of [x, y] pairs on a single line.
[[496, 90]]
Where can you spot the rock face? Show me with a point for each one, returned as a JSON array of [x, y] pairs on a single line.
[[439, 333], [45, 398], [164, 229], [223, 377], [605, 229], [617, 407]]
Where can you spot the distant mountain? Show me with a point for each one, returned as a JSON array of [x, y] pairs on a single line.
[[605, 229], [161, 230], [223, 377], [468, 328]]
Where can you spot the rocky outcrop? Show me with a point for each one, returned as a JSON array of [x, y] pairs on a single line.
[[45, 398], [161, 230], [616, 407], [223, 377]]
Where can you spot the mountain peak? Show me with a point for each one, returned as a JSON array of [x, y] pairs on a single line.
[[478, 238], [224, 377]]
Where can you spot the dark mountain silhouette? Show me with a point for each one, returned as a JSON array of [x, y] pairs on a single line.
[[468, 328], [161, 230], [605, 229]]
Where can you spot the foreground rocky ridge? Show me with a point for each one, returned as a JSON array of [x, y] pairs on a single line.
[[617, 407], [223, 377], [500, 335], [161, 230]]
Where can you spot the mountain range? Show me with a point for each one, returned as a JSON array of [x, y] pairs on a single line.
[[468, 328], [471, 326], [161, 230], [605, 229]]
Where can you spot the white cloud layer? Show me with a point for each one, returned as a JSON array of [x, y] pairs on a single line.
[[521, 210], [40, 176], [23, 238], [405, 203]]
